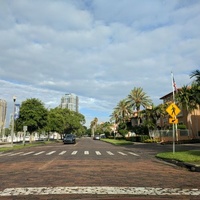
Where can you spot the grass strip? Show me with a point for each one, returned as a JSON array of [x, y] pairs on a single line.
[[117, 142], [192, 156]]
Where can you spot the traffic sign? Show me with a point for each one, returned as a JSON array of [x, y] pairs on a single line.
[[173, 110], [173, 121]]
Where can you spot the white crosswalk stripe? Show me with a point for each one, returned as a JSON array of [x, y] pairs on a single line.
[[98, 153], [134, 154], [62, 152], [122, 153], [28, 153], [86, 152], [51, 152], [110, 153], [74, 153], [36, 154], [14, 154]]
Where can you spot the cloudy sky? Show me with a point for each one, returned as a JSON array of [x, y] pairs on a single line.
[[98, 49]]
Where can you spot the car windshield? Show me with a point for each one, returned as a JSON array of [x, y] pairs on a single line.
[[69, 136]]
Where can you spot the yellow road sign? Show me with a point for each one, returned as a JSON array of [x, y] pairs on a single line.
[[173, 121], [173, 110]]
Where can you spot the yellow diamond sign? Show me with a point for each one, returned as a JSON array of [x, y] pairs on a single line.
[[173, 110]]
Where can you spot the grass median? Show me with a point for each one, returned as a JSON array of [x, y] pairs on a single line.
[[117, 142], [192, 156]]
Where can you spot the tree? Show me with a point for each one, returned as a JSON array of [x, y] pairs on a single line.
[[138, 98], [93, 125], [33, 114], [196, 74], [123, 111]]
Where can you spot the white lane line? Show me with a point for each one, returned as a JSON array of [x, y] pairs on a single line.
[[151, 191], [98, 153], [38, 153], [50, 153], [110, 153], [62, 152], [134, 154], [86, 152], [74, 153], [122, 153], [28, 153], [14, 154]]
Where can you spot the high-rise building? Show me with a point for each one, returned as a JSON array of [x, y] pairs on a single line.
[[70, 101], [3, 107]]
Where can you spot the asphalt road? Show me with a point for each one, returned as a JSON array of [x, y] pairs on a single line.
[[92, 169]]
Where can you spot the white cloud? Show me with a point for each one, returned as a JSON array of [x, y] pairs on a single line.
[[100, 50]]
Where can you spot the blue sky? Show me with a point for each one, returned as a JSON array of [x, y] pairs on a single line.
[[98, 49]]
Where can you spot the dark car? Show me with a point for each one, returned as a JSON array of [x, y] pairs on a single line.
[[69, 139]]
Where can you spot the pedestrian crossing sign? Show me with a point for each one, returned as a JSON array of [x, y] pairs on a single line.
[[173, 120], [173, 110]]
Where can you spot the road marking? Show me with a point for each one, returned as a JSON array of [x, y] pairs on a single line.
[[110, 153], [5, 154], [151, 191], [133, 153], [98, 153], [86, 152], [74, 153], [51, 152], [63, 152], [28, 153], [122, 153], [38, 153], [14, 154]]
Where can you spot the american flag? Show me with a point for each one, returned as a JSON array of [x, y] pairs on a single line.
[[174, 85]]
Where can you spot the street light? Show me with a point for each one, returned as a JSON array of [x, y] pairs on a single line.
[[13, 120]]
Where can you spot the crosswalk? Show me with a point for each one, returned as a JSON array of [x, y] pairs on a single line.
[[72, 153]]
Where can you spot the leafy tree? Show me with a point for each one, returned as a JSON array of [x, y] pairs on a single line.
[[33, 114], [138, 98]]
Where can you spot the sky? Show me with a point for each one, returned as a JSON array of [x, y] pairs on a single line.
[[99, 50]]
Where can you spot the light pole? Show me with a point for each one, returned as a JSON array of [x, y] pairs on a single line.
[[13, 120]]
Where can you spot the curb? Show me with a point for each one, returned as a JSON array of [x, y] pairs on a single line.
[[189, 166]]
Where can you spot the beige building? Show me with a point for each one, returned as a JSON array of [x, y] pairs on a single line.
[[3, 107], [191, 120]]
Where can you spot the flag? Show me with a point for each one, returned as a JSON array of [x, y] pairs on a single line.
[[173, 83]]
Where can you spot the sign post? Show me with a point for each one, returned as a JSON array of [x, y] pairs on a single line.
[[25, 128], [173, 111]]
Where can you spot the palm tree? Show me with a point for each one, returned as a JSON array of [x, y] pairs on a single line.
[[93, 125], [187, 100], [138, 98], [196, 74], [123, 110]]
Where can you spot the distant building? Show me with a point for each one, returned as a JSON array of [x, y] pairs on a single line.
[[3, 107], [70, 101]]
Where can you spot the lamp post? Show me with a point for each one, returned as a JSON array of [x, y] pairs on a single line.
[[13, 120]]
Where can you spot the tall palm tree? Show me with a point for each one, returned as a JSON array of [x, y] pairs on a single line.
[[196, 74], [123, 110], [138, 98], [187, 100], [93, 125]]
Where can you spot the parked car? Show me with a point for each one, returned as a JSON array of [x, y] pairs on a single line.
[[96, 137], [69, 139]]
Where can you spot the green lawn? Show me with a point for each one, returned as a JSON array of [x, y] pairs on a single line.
[[117, 142], [21, 146], [192, 156]]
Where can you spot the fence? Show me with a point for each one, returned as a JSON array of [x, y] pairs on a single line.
[[167, 135]]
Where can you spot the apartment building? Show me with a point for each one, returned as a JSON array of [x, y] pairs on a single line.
[[191, 120], [70, 101]]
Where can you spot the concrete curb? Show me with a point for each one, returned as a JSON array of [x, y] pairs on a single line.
[[190, 166]]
